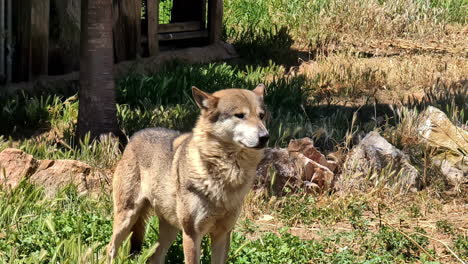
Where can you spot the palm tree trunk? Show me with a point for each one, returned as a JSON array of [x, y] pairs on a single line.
[[97, 109]]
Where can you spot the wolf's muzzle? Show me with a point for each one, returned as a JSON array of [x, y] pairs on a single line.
[[263, 140]]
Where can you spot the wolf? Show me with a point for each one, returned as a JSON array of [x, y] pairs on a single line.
[[194, 182]]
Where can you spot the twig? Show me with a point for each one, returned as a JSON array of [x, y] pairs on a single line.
[[443, 243], [410, 239], [65, 144]]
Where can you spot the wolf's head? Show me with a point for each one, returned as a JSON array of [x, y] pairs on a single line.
[[234, 116]]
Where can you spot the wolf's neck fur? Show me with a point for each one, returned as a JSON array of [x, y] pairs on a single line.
[[227, 171]]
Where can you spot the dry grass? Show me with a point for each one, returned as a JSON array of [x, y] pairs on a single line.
[[442, 216], [316, 24], [390, 79]]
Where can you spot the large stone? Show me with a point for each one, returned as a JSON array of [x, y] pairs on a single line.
[[374, 161], [55, 174], [301, 165], [451, 143], [306, 147], [16, 165]]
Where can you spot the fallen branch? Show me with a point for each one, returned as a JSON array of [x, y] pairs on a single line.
[[445, 245], [409, 238]]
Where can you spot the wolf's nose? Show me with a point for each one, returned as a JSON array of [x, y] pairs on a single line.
[[263, 140]]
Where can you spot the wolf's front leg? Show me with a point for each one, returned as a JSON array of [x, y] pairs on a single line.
[[191, 243], [220, 247]]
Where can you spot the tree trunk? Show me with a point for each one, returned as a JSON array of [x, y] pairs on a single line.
[[97, 109]]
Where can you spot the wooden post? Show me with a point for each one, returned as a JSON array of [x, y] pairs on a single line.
[[32, 35], [152, 8], [9, 60], [215, 21], [22, 33], [2, 40], [127, 29], [204, 18], [40, 37]]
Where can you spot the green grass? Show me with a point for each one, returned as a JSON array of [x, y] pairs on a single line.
[[161, 99], [73, 228]]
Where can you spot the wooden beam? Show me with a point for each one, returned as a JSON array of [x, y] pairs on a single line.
[[180, 27], [2, 40], [215, 21], [40, 37], [127, 29], [9, 41], [22, 33], [184, 35], [203, 11], [152, 8]]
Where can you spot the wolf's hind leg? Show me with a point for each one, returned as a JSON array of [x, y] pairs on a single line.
[[124, 220], [139, 229], [167, 235]]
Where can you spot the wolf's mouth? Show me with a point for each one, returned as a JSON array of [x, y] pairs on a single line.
[[259, 146]]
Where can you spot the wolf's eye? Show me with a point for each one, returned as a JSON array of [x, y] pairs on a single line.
[[240, 115], [261, 115]]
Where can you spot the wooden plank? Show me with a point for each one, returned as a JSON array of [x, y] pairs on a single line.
[[9, 41], [2, 41], [22, 33], [127, 29], [180, 27], [184, 35], [215, 21], [153, 23], [40, 37], [204, 4], [138, 6]]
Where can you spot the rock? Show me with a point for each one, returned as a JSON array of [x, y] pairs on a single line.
[[451, 142], [16, 165], [306, 147], [453, 175], [285, 174], [301, 165], [54, 174], [373, 158], [266, 218]]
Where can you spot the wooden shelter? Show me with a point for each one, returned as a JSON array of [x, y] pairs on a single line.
[[139, 31]]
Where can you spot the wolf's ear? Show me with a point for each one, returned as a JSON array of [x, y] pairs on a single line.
[[204, 100], [259, 90]]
